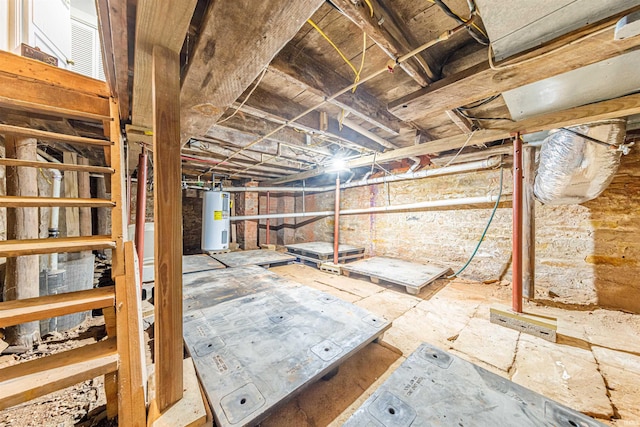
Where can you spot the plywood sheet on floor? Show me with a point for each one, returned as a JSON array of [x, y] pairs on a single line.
[[197, 263], [323, 250], [262, 257], [457, 393], [255, 346], [413, 276]]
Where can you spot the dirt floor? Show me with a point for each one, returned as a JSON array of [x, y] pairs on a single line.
[[594, 367]]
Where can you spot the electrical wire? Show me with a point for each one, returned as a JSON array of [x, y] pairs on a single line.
[[483, 39], [461, 148], [484, 233], [255, 86], [483, 118], [480, 103]]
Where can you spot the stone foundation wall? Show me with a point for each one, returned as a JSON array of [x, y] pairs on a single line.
[[585, 254]]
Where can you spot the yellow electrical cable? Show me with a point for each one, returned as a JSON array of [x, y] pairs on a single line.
[[313, 24], [370, 7]]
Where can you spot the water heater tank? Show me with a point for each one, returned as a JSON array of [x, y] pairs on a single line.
[[216, 225]]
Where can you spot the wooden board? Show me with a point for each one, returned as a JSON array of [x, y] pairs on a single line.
[[260, 257], [257, 346], [433, 387], [318, 262], [197, 263], [322, 250], [413, 276]]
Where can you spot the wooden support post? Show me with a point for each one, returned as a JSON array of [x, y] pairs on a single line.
[[529, 224], [21, 277], [141, 208], [168, 227], [84, 192], [70, 180]]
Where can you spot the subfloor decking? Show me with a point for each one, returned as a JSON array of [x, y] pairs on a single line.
[[200, 262], [262, 257], [257, 339], [411, 275], [434, 387], [324, 251]]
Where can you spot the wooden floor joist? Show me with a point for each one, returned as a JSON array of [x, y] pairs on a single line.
[[45, 307], [47, 202], [51, 136], [13, 248], [25, 381]]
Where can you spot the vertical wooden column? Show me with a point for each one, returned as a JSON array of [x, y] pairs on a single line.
[[21, 277], [141, 209], [168, 226], [84, 192], [528, 224]]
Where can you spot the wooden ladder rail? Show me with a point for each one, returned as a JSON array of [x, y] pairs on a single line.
[[33, 86]]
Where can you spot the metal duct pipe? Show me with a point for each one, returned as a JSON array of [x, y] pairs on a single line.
[[410, 206], [489, 163]]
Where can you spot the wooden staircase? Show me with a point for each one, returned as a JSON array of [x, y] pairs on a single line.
[[35, 87]]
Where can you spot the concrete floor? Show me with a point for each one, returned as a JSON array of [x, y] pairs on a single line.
[[593, 368]]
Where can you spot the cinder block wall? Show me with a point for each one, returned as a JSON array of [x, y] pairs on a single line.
[[586, 254]]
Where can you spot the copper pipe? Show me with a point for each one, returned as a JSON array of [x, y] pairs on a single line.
[[141, 208], [336, 221], [268, 223], [516, 266]]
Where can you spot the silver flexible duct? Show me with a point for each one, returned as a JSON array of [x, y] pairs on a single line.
[[573, 168]]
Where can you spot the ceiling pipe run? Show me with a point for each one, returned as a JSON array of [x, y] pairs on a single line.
[[491, 162], [477, 200]]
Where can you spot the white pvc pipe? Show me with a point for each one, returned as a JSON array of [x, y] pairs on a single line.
[[491, 162], [56, 176], [410, 206]]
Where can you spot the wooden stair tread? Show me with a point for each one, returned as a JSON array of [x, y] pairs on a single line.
[[58, 166], [13, 248], [32, 309], [25, 381], [46, 202], [52, 136]]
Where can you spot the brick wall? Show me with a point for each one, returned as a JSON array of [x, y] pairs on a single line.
[[191, 221], [586, 254]]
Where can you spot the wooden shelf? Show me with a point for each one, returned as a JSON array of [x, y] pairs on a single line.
[[13, 248], [58, 166], [47, 202], [52, 136], [25, 381], [32, 309]]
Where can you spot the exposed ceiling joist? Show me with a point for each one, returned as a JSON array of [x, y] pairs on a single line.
[[300, 70], [605, 110], [267, 167], [385, 28], [227, 58], [589, 45], [158, 23], [269, 106]]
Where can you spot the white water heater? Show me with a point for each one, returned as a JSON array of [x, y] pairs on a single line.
[[216, 225]]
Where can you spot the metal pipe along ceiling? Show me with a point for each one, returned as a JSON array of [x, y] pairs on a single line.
[[410, 206], [491, 162]]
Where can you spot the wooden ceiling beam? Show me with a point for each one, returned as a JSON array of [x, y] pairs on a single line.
[[300, 70], [158, 23], [605, 110], [591, 44], [385, 28], [278, 109], [237, 40], [114, 37], [266, 167]]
